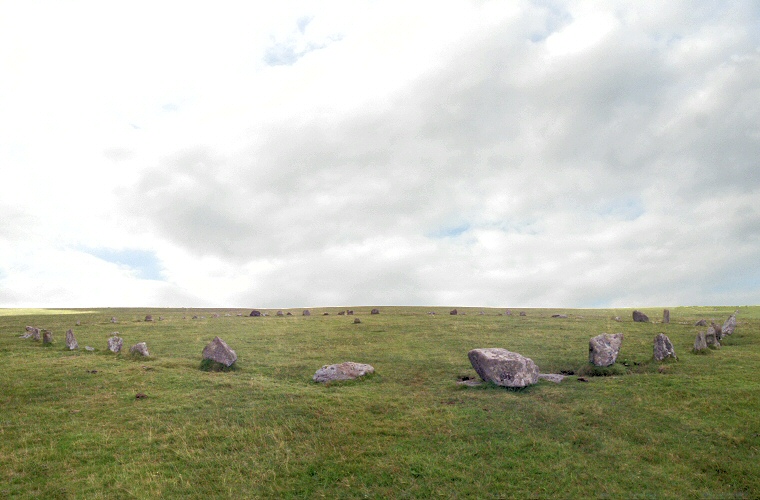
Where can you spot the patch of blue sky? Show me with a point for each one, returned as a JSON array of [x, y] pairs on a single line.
[[627, 209], [145, 264], [449, 231], [557, 18]]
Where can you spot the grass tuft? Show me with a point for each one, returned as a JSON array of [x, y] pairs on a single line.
[[209, 365]]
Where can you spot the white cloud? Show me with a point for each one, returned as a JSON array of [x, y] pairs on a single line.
[[526, 154]]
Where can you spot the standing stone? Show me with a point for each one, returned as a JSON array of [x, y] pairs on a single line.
[[280, 313], [509, 312], [343, 371], [666, 316], [730, 325], [341, 313], [453, 312], [36, 334], [522, 313], [217, 350], [375, 311], [350, 312], [711, 337], [701, 322], [503, 367], [71, 342], [603, 349], [640, 317], [47, 337], [115, 343], [718, 330], [255, 313], [357, 321], [149, 317], [306, 312], [663, 347], [140, 348], [113, 319], [700, 343]]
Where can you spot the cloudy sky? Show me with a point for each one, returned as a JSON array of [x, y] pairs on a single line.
[[505, 154]]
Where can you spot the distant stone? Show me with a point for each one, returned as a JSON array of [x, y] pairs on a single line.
[[701, 322], [718, 330], [730, 325], [640, 317], [280, 313], [289, 314], [149, 317], [239, 314], [306, 312], [36, 334], [88, 348], [357, 321], [617, 318], [666, 316], [215, 315], [563, 316], [603, 349], [195, 317], [350, 312], [115, 343], [375, 311], [509, 312], [551, 377], [71, 342], [522, 313], [663, 347], [140, 348], [343, 371], [341, 313], [712, 339], [453, 312], [47, 337], [255, 313], [503, 367], [217, 350], [481, 313], [113, 319], [78, 323], [700, 343], [431, 313], [326, 314], [31, 332]]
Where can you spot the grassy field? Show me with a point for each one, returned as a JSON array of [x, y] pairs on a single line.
[[71, 426]]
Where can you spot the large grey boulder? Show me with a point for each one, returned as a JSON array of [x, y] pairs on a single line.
[[71, 342], [663, 347], [503, 367], [700, 342], [640, 317], [115, 343], [343, 371], [603, 349], [140, 348], [217, 350], [730, 325]]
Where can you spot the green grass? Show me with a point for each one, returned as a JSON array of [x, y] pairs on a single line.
[[71, 426]]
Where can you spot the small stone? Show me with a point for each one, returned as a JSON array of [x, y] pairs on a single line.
[[280, 313], [306, 312], [140, 395], [666, 316], [375, 311], [115, 343], [522, 313], [149, 317], [700, 343], [88, 348], [663, 347], [341, 313], [350, 312], [47, 337], [453, 312], [357, 321], [551, 377], [562, 316], [509, 312], [255, 313], [701, 322], [640, 317], [71, 342], [617, 318], [217, 350], [343, 371], [603, 349], [36, 334], [78, 323], [139, 348], [113, 319], [503, 367]]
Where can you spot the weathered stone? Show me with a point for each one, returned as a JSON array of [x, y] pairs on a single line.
[[47, 337], [663, 347], [453, 312], [700, 343], [88, 348], [718, 330], [343, 371], [503, 367], [711, 337], [666, 315], [730, 325], [559, 316], [280, 313], [306, 312], [31, 332], [149, 317], [218, 350], [255, 313], [139, 348], [431, 313], [617, 318], [701, 322], [195, 316], [357, 321], [375, 311], [289, 313], [341, 313], [552, 377], [71, 342], [78, 323], [36, 334], [640, 317], [350, 312], [509, 312], [115, 343], [603, 349], [113, 319], [326, 314], [522, 313]]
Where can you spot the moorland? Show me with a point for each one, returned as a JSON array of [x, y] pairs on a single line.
[[71, 425]]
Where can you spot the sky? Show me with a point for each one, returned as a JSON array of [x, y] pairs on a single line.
[[302, 154]]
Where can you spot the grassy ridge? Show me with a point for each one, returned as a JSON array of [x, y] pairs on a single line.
[[680, 429]]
